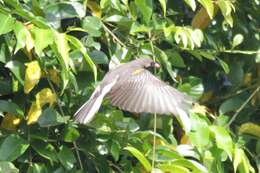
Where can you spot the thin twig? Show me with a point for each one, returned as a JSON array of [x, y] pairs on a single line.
[[113, 35], [155, 115], [62, 113], [242, 106], [77, 153]]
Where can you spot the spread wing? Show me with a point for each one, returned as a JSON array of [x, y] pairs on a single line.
[[143, 92]]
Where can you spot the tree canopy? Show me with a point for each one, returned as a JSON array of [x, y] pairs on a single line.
[[53, 53]]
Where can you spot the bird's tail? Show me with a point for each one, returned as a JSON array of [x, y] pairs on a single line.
[[88, 110]]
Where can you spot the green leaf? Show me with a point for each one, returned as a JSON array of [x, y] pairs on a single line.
[[146, 9], [17, 68], [175, 58], [37, 168], [42, 39], [241, 162], [99, 57], [21, 33], [50, 117], [223, 139], [173, 168], [92, 25], [8, 167], [12, 147], [193, 87], [45, 150], [70, 134], [7, 23], [208, 5], [66, 157], [10, 107], [237, 40], [82, 49], [146, 164], [224, 65], [115, 150], [163, 5], [191, 3], [229, 105]]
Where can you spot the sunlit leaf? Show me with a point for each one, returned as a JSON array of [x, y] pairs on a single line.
[[8, 167], [95, 8], [163, 5], [7, 23], [208, 5], [191, 3], [17, 68], [146, 164], [223, 139], [32, 76], [237, 40], [34, 113], [45, 96], [250, 128], [146, 8], [42, 38]]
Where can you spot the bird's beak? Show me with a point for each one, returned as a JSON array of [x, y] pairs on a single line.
[[157, 65]]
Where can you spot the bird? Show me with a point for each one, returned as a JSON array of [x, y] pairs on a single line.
[[132, 87]]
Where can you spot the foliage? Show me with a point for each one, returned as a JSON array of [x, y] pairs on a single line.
[[53, 53]]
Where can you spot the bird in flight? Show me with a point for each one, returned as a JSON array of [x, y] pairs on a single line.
[[132, 87]]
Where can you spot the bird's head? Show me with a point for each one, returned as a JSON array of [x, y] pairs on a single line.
[[147, 63]]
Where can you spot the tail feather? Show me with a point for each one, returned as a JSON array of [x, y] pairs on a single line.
[[88, 110]]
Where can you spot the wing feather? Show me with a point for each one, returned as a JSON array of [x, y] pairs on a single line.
[[146, 93]]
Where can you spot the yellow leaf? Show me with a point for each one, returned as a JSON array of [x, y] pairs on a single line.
[[45, 96], [54, 76], [247, 79], [10, 122], [34, 113], [250, 128], [95, 8], [32, 76]]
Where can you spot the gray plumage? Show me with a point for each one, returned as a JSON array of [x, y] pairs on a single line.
[[133, 88]]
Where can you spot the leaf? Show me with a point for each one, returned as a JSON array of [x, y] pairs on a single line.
[[66, 157], [50, 117], [8, 167], [208, 5], [163, 5], [223, 139], [175, 58], [37, 168], [83, 50], [95, 8], [201, 19], [115, 150], [250, 128], [34, 113], [146, 164], [229, 105], [45, 150], [70, 134], [146, 9], [92, 25], [32, 75], [237, 40], [12, 108], [42, 39], [193, 87], [21, 33], [10, 122], [173, 168], [12, 147], [224, 65], [45, 96], [99, 57], [191, 3], [7, 23], [241, 162], [17, 68]]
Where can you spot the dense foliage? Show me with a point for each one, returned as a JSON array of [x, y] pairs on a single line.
[[53, 53]]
